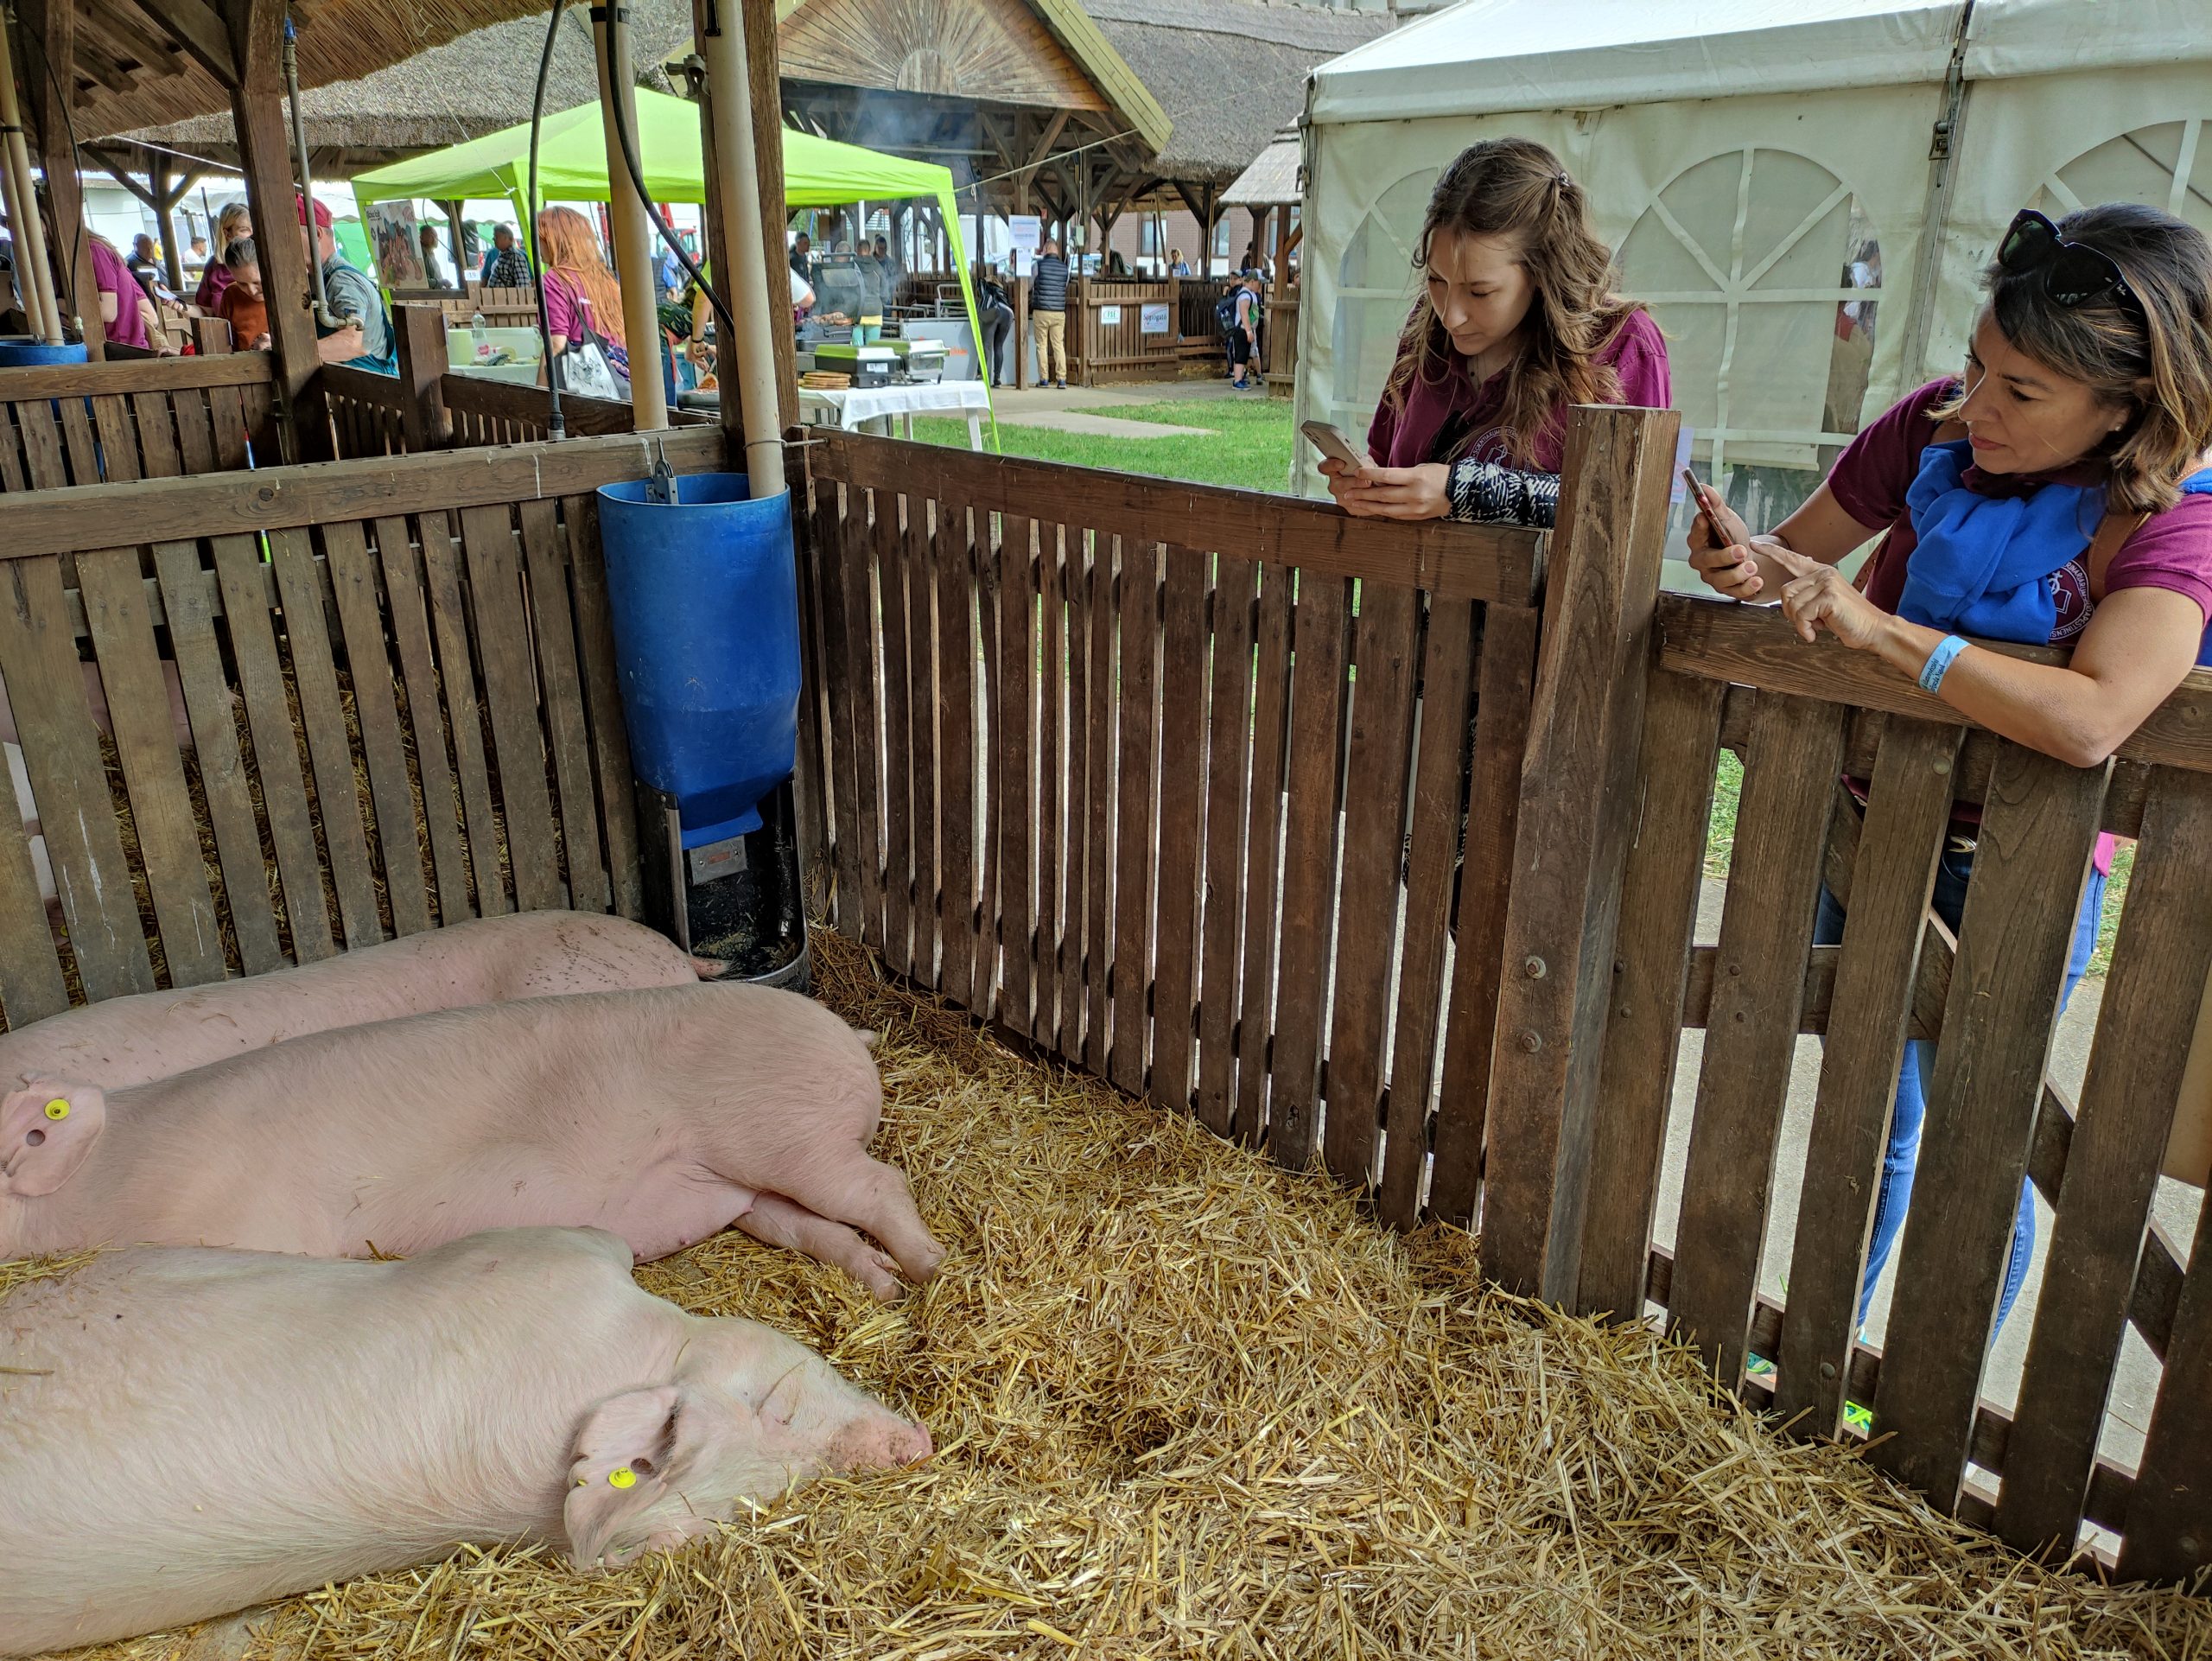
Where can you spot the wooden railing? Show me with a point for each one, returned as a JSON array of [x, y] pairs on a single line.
[[1168, 781], [433, 629], [66, 424]]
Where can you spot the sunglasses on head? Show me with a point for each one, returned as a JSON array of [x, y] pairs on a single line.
[[2074, 273]]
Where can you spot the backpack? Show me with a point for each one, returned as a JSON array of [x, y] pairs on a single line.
[[1224, 311]]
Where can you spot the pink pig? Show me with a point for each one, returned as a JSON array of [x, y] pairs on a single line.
[[190, 1431], [128, 1040], [664, 1115]]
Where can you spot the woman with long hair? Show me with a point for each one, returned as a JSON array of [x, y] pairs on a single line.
[[234, 224], [580, 293], [2056, 494], [1517, 321]]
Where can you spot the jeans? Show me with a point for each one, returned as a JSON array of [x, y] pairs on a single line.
[[1894, 1194], [998, 326]]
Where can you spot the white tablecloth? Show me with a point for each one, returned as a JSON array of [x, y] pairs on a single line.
[[848, 408]]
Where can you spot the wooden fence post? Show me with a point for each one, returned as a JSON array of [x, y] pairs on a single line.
[[422, 335], [1576, 814]]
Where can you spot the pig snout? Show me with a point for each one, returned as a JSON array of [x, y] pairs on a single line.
[[880, 1442]]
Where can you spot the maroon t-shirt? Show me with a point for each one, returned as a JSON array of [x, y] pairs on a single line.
[[2173, 550], [1407, 438]]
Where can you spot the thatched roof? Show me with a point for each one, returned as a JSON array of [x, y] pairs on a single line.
[[1271, 180], [1230, 73], [132, 75], [477, 83]]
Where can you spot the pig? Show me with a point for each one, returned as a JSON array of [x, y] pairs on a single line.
[[664, 1115], [189, 1431], [128, 1040]]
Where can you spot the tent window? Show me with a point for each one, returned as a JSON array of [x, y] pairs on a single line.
[[2167, 166], [1376, 283], [1766, 275]]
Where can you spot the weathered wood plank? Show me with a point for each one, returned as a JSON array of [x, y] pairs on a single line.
[[1263, 853], [553, 632], [1385, 640], [315, 675], [1052, 795], [188, 608], [1447, 676], [956, 658], [2161, 963], [2036, 834], [195, 435], [1100, 694], [610, 736], [1137, 743], [1229, 771], [82, 445], [1182, 805], [862, 644], [140, 375], [464, 725], [1666, 866], [158, 456], [2166, 1537], [404, 582], [31, 986], [1013, 772], [922, 716], [1578, 788], [505, 658], [1487, 851], [42, 460], [277, 756], [842, 737], [1908, 805], [1074, 980], [897, 691], [118, 441], [153, 770]]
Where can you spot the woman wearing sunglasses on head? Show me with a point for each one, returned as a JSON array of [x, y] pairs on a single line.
[[2058, 493]]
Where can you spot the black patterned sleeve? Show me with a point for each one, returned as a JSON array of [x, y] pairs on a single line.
[[1487, 493]]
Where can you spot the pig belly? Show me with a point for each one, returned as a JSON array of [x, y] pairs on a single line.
[[662, 1215], [655, 1211]]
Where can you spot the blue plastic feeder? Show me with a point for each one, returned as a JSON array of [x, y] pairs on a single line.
[[22, 352], [704, 593]]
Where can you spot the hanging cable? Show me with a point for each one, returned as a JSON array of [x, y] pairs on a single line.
[[554, 426]]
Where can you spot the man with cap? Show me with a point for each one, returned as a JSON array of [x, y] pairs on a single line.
[[367, 343]]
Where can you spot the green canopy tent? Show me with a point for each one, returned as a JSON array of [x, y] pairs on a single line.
[[572, 167]]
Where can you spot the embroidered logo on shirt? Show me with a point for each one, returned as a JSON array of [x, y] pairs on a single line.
[[2070, 594]]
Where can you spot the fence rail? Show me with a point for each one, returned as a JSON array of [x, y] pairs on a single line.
[[64, 424]]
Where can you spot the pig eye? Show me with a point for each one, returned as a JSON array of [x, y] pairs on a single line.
[[32, 1138]]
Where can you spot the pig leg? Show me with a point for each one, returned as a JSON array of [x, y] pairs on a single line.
[[776, 1221], [866, 1193]]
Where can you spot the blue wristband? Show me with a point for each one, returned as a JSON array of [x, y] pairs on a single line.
[[1939, 663]]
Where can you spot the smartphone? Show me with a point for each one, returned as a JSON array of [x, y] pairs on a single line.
[[1706, 505], [1332, 442]]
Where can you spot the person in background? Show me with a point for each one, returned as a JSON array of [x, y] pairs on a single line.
[[13, 318], [437, 269], [198, 248], [1115, 265], [1245, 335], [366, 341], [893, 273], [580, 293], [2059, 493], [235, 220], [803, 258], [127, 314], [996, 322], [243, 306], [144, 263], [1177, 265], [1048, 314], [505, 265], [1517, 322]]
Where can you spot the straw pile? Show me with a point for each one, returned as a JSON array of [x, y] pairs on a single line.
[[1188, 1404]]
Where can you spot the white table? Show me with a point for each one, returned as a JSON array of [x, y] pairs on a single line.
[[855, 407]]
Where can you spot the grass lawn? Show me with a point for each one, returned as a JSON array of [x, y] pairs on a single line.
[[1246, 441]]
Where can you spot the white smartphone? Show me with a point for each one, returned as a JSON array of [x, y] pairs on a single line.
[[1332, 442]]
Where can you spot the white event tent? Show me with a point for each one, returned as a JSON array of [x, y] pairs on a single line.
[[1803, 190]]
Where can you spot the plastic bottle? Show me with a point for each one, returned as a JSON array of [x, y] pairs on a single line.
[[478, 338]]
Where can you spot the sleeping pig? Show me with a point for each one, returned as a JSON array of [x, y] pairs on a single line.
[[664, 1115], [190, 1431], [128, 1040]]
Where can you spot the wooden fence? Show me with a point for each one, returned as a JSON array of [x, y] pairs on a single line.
[[432, 630], [66, 424], [1168, 781]]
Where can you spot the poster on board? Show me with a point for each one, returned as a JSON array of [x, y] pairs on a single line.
[[392, 233], [1110, 316], [1025, 232], [1153, 319]]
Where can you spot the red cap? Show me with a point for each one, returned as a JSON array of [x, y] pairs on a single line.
[[321, 211]]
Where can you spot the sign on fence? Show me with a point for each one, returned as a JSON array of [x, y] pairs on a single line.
[[1110, 316], [1153, 319]]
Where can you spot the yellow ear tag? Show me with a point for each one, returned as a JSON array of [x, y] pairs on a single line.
[[57, 1109], [621, 1477]]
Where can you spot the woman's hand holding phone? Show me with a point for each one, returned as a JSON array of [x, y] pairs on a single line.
[[1720, 545]]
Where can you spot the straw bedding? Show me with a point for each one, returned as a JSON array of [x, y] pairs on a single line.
[[1188, 1404]]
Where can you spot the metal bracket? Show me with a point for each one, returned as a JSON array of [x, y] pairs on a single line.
[[660, 483]]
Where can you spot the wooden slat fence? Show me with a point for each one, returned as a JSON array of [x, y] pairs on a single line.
[[396, 707], [151, 418], [368, 411], [1083, 752]]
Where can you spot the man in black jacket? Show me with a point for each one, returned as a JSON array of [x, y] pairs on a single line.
[[1048, 314]]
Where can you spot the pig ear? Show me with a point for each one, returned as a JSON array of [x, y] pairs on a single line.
[[619, 1472], [46, 1131], [869, 1038]]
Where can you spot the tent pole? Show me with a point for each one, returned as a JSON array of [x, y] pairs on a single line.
[[34, 276], [633, 235], [745, 281]]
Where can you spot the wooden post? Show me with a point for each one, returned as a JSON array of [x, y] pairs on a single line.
[[633, 232], [34, 274], [764, 71], [1576, 814], [301, 415], [52, 25], [421, 333]]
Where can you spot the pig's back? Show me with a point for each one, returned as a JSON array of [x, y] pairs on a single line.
[[192, 1430], [123, 1041]]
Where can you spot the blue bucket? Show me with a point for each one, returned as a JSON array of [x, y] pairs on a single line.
[[21, 352], [704, 593]]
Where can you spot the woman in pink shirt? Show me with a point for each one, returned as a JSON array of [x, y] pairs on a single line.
[[1516, 322], [125, 311]]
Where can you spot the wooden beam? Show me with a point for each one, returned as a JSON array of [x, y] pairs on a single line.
[[1051, 136], [52, 26], [127, 27], [199, 28], [764, 71], [118, 170], [301, 415]]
